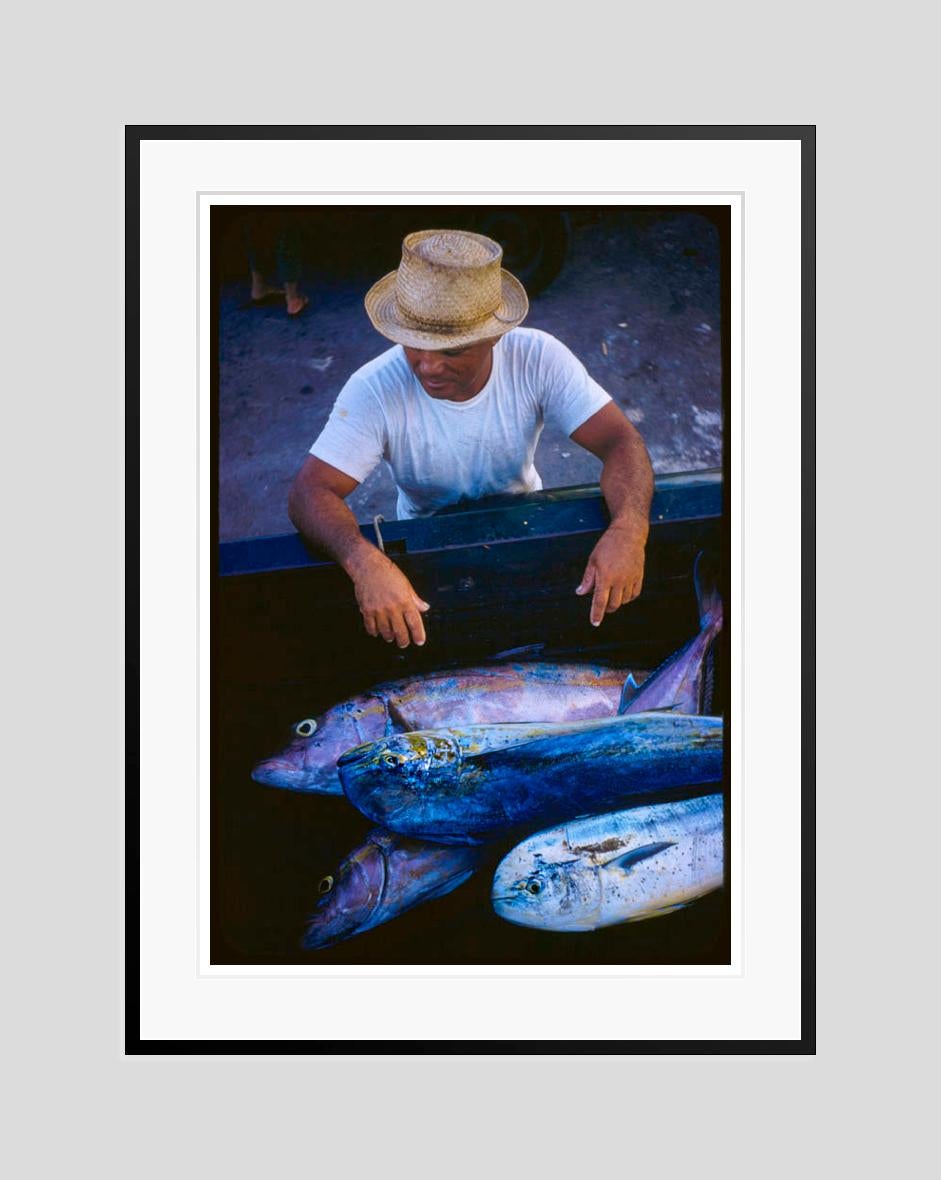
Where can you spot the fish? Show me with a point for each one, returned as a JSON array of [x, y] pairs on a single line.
[[381, 879], [603, 870], [680, 683], [463, 785], [540, 691]]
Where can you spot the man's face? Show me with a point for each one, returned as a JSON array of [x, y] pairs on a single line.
[[455, 374]]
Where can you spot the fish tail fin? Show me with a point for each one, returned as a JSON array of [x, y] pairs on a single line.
[[706, 582]]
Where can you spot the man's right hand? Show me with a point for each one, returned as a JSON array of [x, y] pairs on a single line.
[[387, 602], [389, 605]]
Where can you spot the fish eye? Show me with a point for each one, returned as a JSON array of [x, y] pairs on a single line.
[[306, 728], [534, 887], [390, 759], [326, 884]]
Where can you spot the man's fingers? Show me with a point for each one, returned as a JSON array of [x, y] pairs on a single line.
[[588, 580], [615, 600], [598, 604], [401, 627], [400, 630], [416, 627], [420, 602]]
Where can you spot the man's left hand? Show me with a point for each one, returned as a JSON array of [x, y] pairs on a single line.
[[615, 570]]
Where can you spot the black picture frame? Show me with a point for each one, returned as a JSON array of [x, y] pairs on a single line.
[[805, 1044]]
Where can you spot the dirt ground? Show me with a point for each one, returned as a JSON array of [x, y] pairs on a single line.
[[638, 301]]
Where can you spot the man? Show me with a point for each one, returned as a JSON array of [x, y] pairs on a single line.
[[456, 409]]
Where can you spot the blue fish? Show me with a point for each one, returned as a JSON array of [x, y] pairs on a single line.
[[458, 786]]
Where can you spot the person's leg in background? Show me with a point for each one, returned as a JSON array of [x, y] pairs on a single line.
[[260, 257], [289, 261], [272, 245]]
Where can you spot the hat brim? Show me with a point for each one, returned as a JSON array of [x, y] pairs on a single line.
[[389, 319]]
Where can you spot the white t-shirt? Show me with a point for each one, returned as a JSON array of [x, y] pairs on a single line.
[[442, 451]]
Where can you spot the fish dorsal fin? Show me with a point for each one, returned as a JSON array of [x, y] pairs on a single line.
[[626, 861], [514, 653], [628, 692]]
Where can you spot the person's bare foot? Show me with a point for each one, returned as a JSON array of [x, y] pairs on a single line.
[[295, 300], [262, 288]]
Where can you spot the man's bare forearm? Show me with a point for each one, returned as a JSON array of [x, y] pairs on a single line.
[[386, 599], [324, 520], [627, 485]]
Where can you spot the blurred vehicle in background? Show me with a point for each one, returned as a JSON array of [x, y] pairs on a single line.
[[367, 239]]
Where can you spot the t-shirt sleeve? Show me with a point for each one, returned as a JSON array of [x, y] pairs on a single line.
[[353, 439], [569, 395]]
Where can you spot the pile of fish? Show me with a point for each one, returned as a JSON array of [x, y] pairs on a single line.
[[613, 779], [495, 694]]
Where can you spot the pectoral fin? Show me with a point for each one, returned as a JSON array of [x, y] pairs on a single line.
[[627, 860]]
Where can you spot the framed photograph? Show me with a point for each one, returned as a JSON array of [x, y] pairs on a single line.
[[519, 786]]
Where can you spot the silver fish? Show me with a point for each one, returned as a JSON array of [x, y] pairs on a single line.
[[512, 692], [621, 867], [381, 879]]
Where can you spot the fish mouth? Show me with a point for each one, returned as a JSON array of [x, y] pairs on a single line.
[[317, 938], [273, 772]]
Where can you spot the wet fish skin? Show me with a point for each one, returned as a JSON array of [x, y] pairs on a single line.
[[679, 682], [308, 763], [603, 870], [381, 879], [508, 692], [463, 786]]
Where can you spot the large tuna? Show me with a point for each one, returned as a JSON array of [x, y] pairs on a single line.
[[463, 785], [381, 879], [620, 867], [508, 692]]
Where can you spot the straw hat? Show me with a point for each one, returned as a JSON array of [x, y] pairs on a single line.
[[449, 291]]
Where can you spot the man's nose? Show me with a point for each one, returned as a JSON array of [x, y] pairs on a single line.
[[430, 363]]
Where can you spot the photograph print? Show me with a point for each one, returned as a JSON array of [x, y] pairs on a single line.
[[469, 608]]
